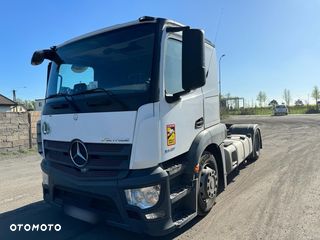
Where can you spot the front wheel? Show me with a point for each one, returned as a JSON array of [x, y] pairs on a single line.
[[208, 183]]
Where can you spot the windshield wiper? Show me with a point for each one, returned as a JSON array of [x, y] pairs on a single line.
[[71, 101], [108, 92]]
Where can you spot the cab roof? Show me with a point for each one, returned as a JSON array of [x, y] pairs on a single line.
[[139, 21]]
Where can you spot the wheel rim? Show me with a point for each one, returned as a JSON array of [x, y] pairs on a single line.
[[208, 183]]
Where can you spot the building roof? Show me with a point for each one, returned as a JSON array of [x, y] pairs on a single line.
[[4, 101]]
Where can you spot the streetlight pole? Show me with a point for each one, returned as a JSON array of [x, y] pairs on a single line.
[[223, 55]]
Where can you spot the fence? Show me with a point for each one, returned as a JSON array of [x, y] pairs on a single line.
[[18, 131]]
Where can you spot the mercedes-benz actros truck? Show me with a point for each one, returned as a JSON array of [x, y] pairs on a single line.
[[130, 132]]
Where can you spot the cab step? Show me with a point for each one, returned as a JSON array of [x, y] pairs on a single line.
[[234, 164], [182, 218], [174, 171], [179, 193]]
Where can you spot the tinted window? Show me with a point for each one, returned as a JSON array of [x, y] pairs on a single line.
[[119, 61]]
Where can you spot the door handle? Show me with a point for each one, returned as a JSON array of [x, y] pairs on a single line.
[[199, 123]]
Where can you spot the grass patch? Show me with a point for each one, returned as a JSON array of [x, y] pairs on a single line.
[[18, 153], [251, 111], [269, 111]]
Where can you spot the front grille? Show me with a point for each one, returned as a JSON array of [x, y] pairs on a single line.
[[104, 160]]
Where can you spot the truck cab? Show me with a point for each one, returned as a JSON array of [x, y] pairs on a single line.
[[130, 132]]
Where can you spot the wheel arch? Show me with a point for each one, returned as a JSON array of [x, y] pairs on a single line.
[[210, 139], [215, 150]]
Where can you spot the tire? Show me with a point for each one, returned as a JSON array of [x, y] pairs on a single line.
[[208, 183], [255, 147]]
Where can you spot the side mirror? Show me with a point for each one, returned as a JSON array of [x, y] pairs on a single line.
[[193, 59], [37, 58]]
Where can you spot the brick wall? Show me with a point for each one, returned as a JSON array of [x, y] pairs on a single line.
[[34, 117], [18, 130]]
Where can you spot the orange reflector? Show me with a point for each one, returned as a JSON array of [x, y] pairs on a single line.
[[196, 168]]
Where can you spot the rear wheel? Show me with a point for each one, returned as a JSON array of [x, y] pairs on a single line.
[[208, 183], [255, 146]]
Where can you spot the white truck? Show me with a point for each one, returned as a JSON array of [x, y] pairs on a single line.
[[130, 132]]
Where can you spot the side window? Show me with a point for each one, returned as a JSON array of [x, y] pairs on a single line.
[[209, 67], [173, 67], [208, 53]]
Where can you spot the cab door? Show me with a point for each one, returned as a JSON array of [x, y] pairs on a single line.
[[182, 120]]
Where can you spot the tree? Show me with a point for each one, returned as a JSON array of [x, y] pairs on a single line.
[[261, 98], [316, 95], [273, 103], [298, 103], [28, 104], [287, 96]]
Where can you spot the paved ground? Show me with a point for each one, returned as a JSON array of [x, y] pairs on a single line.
[[276, 197]]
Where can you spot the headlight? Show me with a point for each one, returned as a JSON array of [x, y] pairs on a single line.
[[143, 197], [45, 178]]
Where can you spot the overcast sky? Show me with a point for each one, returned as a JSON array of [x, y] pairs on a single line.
[[269, 45]]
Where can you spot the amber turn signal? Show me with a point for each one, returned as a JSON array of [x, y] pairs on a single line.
[[196, 168]]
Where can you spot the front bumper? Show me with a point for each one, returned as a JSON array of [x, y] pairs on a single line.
[[276, 113], [105, 199]]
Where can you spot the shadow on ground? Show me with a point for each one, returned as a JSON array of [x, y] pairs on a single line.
[[42, 213], [232, 176]]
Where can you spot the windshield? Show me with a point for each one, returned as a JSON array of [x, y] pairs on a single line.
[[280, 106], [119, 61]]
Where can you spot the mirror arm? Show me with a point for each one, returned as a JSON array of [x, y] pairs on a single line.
[[172, 98], [175, 97], [177, 29], [52, 56]]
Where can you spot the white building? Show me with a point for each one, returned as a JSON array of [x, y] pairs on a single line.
[[19, 108], [6, 104], [39, 104]]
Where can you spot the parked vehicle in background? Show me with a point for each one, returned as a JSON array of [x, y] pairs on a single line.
[[280, 110]]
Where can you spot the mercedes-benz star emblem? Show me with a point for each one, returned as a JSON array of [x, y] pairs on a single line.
[[78, 153]]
